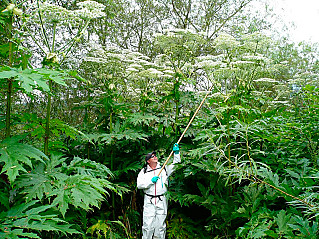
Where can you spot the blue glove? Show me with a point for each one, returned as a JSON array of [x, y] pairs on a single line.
[[176, 148], [154, 179]]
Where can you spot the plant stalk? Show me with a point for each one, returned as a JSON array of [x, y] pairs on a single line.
[[47, 123], [112, 165], [10, 84], [8, 108]]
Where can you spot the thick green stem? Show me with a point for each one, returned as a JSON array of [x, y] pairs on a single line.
[[73, 41], [112, 166], [8, 108], [111, 131], [53, 40], [176, 120], [10, 84], [177, 102], [42, 27], [47, 123]]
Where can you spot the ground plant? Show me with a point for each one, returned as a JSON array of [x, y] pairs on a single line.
[[88, 88]]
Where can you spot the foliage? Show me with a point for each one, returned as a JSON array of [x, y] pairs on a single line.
[[19, 220], [66, 185], [16, 157], [107, 229], [102, 83]]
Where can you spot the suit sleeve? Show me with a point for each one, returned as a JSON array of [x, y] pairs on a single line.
[[170, 168], [144, 180]]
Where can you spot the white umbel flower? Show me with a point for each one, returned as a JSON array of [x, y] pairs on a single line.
[[90, 10]]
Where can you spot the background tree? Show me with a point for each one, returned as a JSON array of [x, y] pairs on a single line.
[[127, 79]]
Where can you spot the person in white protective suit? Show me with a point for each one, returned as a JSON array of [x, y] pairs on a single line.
[[155, 202]]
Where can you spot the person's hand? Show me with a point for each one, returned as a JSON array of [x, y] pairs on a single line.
[[154, 179], [176, 148]]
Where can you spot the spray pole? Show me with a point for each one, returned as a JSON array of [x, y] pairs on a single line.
[[189, 123]]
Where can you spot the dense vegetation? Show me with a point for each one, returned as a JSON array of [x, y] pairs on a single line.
[[87, 88]]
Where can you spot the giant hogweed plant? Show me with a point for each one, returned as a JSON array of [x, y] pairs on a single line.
[[50, 187], [80, 184], [219, 186], [53, 21], [29, 220], [16, 157], [241, 165], [44, 16], [20, 219], [238, 142]]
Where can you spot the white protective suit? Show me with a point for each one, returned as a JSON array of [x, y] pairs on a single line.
[[155, 203]]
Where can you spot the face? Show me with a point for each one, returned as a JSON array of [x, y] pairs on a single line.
[[153, 159]]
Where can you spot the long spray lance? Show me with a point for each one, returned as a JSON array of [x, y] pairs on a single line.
[[189, 123]]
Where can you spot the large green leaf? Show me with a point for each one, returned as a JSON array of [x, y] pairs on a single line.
[[82, 183], [18, 157], [282, 221], [89, 167], [36, 185], [80, 191], [31, 216], [54, 75], [30, 78], [8, 74]]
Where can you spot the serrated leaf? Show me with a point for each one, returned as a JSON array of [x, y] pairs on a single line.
[[8, 74], [59, 80], [62, 199], [15, 233], [202, 189], [271, 233], [282, 221], [28, 79], [16, 156]]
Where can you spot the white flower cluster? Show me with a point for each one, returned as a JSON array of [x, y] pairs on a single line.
[[225, 41], [151, 72], [135, 65], [161, 60], [135, 54], [90, 5], [280, 102], [90, 10], [219, 57], [55, 14], [256, 58], [208, 64], [267, 80], [169, 71], [242, 63], [131, 69], [145, 63]]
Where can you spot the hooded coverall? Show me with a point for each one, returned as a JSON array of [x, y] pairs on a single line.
[[155, 203]]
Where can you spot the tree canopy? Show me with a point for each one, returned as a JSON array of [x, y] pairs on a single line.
[[89, 87]]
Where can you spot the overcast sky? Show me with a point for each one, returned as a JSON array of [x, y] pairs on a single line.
[[305, 15]]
